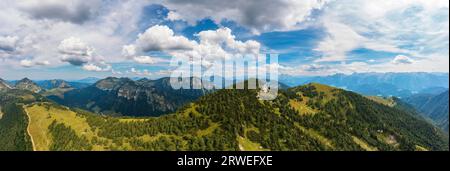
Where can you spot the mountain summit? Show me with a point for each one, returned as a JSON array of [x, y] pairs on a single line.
[[27, 84]]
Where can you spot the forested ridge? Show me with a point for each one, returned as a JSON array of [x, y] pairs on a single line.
[[14, 121], [313, 117]]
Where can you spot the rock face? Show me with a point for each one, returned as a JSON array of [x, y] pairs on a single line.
[[123, 96], [4, 85], [27, 84]]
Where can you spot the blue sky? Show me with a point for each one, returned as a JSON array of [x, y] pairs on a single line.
[[137, 38]]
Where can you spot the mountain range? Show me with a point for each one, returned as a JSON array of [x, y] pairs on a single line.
[[58, 83], [379, 84], [141, 114], [125, 97], [27, 84]]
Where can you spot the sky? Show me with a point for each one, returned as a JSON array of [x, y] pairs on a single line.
[[74, 39]]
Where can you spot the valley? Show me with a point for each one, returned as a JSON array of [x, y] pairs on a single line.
[[432, 106], [125, 97], [311, 117]]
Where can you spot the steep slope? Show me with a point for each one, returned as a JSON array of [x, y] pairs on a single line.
[[4, 85], [434, 107], [123, 96], [433, 90], [313, 117], [27, 84]]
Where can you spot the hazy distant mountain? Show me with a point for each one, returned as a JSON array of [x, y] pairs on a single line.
[[384, 84], [295, 80], [27, 84], [434, 107], [58, 83], [123, 96], [433, 90], [89, 80]]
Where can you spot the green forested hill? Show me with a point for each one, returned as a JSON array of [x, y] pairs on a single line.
[[313, 117], [433, 107]]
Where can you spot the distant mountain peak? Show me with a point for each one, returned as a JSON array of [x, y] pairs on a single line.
[[58, 83], [26, 79], [27, 84]]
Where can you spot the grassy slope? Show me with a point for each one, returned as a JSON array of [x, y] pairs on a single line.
[[1, 113], [235, 120], [44, 114], [385, 101]]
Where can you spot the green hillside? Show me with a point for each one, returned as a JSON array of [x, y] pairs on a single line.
[[313, 117], [14, 121], [433, 107]]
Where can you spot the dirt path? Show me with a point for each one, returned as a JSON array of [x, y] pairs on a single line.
[[1, 114], [28, 130]]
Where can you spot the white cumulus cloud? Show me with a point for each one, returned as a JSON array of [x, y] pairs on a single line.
[[29, 63], [402, 59], [418, 28], [148, 60], [223, 36], [162, 38], [26, 63], [97, 68], [75, 51], [212, 45]]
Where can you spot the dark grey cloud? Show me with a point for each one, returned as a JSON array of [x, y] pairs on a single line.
[[75, 60], [73, 11], [75, 51], [8, 46], [257, 15], [8, 43], [315, 68]]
